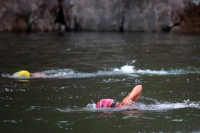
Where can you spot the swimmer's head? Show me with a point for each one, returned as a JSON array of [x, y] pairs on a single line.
[[22, 73], [104, 103]]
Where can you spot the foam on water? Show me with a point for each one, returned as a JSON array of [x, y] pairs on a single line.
[[91, 107], [124, 70]]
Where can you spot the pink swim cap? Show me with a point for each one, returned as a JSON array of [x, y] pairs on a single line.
[[104, 103]]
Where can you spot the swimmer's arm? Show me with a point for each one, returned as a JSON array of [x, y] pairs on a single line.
[[38, 75], [132, 96]]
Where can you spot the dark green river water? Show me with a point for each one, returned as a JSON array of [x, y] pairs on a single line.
[[92, 66]]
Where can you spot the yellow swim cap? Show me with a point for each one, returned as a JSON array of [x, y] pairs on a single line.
[[22, 73]]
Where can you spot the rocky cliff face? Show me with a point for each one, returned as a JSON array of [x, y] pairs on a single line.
[[103, 15], [22, 15]]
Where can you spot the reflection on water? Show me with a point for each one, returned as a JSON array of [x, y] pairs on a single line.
[[84, 67]]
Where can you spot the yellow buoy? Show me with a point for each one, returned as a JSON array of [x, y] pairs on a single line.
[[22, 73]]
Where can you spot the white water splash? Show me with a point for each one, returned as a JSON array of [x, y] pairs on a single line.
[[91, 107], [124, 70]]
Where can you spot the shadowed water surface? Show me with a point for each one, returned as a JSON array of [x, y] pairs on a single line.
[[92, 66]]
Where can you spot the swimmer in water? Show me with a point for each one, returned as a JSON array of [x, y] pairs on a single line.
[[26, 74], [127, 101]]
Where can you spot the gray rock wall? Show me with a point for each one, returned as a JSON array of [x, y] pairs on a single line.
[[22, 15], [103, 15]]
